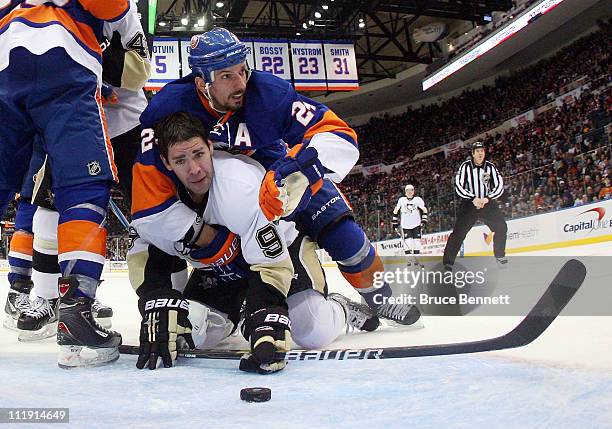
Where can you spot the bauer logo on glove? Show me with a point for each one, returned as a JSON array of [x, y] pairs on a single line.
[[291, 182]]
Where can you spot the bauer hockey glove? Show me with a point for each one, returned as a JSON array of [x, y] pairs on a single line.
[[291, 182], [164, 318], [268, 331]]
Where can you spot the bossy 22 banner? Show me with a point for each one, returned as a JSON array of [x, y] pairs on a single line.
[[273, 57]]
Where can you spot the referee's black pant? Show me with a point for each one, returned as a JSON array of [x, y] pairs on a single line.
[[467, 216]]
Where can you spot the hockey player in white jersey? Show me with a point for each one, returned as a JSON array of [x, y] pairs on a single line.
[[221, 189], [413, 218]]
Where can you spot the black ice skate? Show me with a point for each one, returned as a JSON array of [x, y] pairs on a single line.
[[17, 301], [358, 316], [402, 314], [40, 321], [78, 330], [102, 313]]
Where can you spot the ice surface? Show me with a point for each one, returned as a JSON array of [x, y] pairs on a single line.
[[563, 380]]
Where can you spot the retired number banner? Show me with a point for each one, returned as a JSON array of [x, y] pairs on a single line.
[[273, 57], [164, 63], [341, 66], [308, 66]]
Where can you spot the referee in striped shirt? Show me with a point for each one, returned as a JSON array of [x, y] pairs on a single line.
[[478, 184]]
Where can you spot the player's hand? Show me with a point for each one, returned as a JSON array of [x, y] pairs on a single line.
[[394, 222], [268, 331], [164, 319], [220, 136], [109, 96], [478, 203], [291, 182]]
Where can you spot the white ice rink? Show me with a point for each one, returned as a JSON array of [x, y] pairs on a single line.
[[562, 380]]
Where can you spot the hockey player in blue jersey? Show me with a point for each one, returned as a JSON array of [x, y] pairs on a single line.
[[50, 78], [258, 114]]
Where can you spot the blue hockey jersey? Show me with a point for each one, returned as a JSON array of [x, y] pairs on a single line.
[[274, 116]]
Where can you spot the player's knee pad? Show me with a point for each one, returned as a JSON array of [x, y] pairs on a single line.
[[208, 327], [315, 321], [344, 240], [356, 257]]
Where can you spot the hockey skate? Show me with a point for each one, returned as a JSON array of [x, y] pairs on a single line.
[[401, 314], [17, 302], [39, 322], [102, 313], [358, 316], [83, 342]]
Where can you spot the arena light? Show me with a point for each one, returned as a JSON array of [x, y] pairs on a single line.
[[219, 4], [361, 25], [317, 14], [324, 6], [184, 20], [504, 33]]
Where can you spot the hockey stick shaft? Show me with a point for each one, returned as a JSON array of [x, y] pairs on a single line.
[[555, 298], [119, 214]]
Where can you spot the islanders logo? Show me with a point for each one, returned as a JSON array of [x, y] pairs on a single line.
[[194, 42]]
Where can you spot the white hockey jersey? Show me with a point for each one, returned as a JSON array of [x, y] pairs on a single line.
[[233, 201], [411, 209]]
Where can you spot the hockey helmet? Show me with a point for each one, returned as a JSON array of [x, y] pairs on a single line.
[[215, 50], [409, 187], [477, 145]]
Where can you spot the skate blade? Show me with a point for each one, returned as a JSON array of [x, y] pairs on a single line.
[[47, 331], [84, 357], [105, 322], [398, 326], [10, 323]]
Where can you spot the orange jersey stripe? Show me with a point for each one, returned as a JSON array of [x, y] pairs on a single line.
[[365, 279], [329, 123], [22, 242], [150, 187], [107, 9], [81, 235], [107, 142], [228, 252], [43, 14]]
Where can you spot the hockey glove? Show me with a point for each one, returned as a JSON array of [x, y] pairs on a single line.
[[424, 219], [291, 182], [268, 331], [164, 318], [394, 222]]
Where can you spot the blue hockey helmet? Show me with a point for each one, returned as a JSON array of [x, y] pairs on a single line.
[[215, 50]]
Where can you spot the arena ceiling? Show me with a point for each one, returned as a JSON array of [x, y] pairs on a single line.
[[381, 29]]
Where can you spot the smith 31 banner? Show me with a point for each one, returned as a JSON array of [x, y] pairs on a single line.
[[272, 57], [341, 65], [164, 62], [308, 66]]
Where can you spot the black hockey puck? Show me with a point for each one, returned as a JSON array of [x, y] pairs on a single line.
[[256, 394]]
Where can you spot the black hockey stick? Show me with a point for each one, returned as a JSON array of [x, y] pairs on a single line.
[[559, 293]]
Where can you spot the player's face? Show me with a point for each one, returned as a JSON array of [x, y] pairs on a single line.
[[479, 155], [409, 192], [191, 161], [229, 87]]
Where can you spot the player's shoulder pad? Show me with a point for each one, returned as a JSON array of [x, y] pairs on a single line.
[[172, 98], [240, 169], [267, 92]]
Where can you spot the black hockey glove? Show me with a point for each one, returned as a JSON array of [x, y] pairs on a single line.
[[268, 331], [164, 319], [394, 222]]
